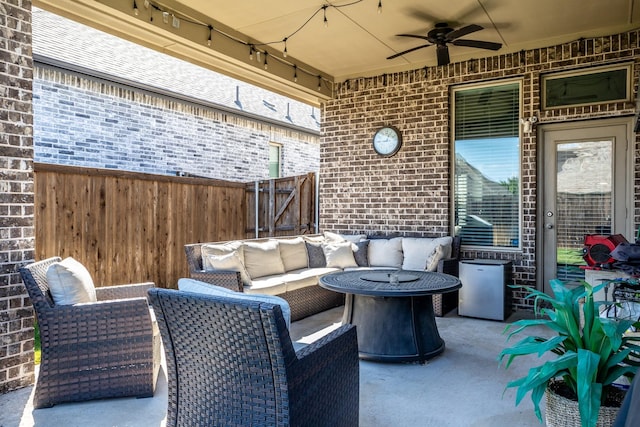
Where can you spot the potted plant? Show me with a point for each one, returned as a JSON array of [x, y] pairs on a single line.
[[588, 352]]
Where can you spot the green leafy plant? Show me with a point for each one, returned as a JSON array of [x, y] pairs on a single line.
[[592, 352]]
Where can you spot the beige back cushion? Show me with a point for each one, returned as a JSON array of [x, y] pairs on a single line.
[[385, 252], [70, 283], [422, 253], [262, 258], [219, 249], [230, 261], [293, 253]]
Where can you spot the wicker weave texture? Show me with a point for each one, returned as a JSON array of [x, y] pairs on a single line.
[[563, 412], [231, 363], [92, 350]]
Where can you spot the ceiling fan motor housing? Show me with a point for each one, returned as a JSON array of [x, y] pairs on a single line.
[[597, 248]]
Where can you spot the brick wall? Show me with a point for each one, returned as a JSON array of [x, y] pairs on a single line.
[[411, 192], [93, 123], [16, 193]]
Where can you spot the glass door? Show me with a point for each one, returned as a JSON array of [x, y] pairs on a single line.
[[585, 191]]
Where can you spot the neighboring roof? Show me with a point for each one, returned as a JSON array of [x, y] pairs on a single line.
[[66, 41]]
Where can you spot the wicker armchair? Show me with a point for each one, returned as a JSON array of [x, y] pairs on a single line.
[[231, 362], [110, 348]]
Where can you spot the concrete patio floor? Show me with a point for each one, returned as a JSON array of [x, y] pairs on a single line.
[[463, 387]]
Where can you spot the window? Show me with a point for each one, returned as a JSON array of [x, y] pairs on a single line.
[[487, 165], [585, 87], [274, 160]]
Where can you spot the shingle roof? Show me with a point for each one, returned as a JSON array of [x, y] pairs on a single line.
[[70, 42]]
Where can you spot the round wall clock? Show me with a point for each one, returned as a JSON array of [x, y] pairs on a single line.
[[387, 141]]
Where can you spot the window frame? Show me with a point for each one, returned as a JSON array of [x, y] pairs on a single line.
[[279, 148], [452, 147], [546, 77]]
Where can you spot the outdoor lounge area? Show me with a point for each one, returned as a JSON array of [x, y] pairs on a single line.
[[462, 387], [199, 158]]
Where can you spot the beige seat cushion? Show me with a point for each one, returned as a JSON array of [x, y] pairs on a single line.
[[305, 277], [262, 258], [70, 283], [268, 285], [385, 252], [293, 253], [339, 255]]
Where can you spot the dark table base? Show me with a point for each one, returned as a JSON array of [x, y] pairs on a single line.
[[394, 329]]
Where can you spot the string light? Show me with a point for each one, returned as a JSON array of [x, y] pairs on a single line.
[[379, 6], [177, 17]]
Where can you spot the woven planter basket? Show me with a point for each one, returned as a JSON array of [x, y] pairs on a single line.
[[563, 412]]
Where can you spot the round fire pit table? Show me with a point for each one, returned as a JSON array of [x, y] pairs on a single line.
[[393, 311]]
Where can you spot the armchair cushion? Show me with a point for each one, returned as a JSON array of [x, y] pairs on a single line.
[[190, 285], [70, 283]]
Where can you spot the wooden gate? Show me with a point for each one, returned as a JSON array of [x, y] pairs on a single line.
[[285, 206]]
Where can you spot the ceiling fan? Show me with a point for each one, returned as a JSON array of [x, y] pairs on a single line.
[[442, 35]]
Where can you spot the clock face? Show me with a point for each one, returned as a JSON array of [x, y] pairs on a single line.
[[387, 141]]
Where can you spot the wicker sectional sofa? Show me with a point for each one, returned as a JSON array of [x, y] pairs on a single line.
[[290, 266]]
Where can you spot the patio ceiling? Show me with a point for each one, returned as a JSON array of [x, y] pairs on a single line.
[[356, 41]]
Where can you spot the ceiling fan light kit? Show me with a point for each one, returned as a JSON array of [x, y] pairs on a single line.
[[442, 35]]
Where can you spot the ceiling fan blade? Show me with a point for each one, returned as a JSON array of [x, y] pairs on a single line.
[[408, 50], [477, 44], [460, 32], [443, 54], [415, 36]]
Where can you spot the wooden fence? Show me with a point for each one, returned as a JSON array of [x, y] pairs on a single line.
[[129, 227]]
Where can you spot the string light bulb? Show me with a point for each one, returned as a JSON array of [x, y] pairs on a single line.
[[319, 83], [135, 8], [379, 6], [324, 11], [210, 35], [295, 73], [266, 64], [250, 52], [284, 53]]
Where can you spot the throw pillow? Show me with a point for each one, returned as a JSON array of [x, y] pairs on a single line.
[[230, 261], [196, 286], [385, 252], [221, 249], [417, 251], [435, 257], [70, 283], [361, 253], [339, 255], [262, 258], [293, 253], [335, 237], [316, 255]]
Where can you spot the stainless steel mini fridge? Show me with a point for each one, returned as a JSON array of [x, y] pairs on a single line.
[[485, 292]]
